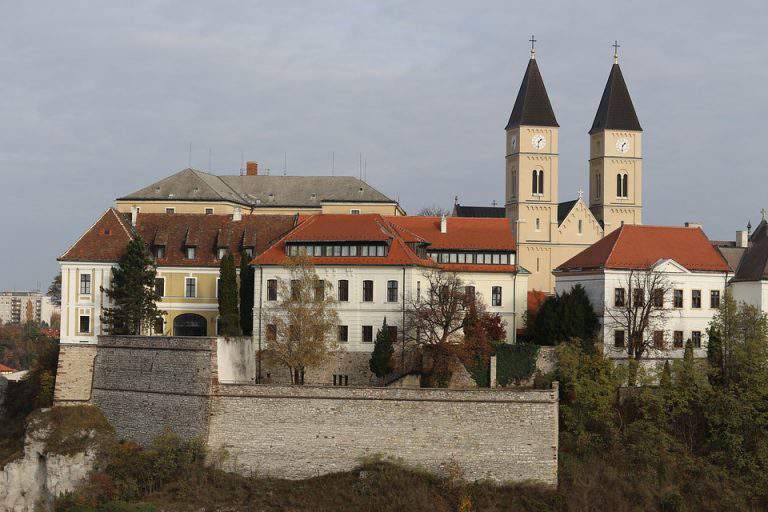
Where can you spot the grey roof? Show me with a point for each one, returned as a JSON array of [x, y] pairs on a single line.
[[754, 264], [616, 111], [732, 255], [532, 106], [479, 211], [260, 190], [563, 209]]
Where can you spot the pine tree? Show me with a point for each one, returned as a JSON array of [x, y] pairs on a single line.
[[132, 293], [381, 358], [246, 295], [228, 301]]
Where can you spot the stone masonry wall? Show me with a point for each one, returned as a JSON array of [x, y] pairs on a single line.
[[303, 431], [74, 374], [146, 384]]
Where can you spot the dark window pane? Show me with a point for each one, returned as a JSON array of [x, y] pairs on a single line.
[[343, 290], [391, 291], [367, 291], [367, 334], [271, 289]]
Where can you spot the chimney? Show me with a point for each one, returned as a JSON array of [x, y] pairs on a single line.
[[134, 215], [251, 168], [693, 224], [443, 224], [741, 238], [237, 215]]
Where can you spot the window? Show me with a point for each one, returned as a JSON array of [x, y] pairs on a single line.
[[658, 339], [714, 299], [618, 297], [158, 326], [622, 185], [538, 264], [170, 210], [340, 380], [618, 338], [354, 211], [496, 296], [209, 211], [534, 182], [271, 289], [678, 298], [343, 333], [367, 291], [392, 332], [581, 227], [658, 298], [85, 284], [221, 252], [249, 252], [678, 339], [696, 299], [343, 290], [190, 288], [159, 251], [190, 253], [218, 287], [160, 286], [638, 297], [391, 291], [469, 292], [538, 224], [85, 324], [696, 339], [319, 290], [295, 289], [367, 334], [271, 333]]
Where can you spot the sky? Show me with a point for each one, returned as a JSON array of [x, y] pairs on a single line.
[[99, 99]]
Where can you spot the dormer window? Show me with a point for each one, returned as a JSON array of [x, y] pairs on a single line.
[[191, 252], [221, 252], [159, 251], [249, 252], [170, 210]]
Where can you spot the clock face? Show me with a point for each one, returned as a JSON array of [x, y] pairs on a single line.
[[622, 144], [538, 141]]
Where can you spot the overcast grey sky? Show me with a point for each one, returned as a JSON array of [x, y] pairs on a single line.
[[98, 99]]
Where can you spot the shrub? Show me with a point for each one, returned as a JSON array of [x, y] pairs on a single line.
[[515, 363]]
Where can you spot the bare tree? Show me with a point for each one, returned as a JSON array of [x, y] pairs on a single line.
[[433, 211], [301, 328], [639, 309]]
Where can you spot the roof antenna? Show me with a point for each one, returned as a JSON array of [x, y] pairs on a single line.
[[360, 166], [285, 163], [365, 167], [189, 157], [242, 162]]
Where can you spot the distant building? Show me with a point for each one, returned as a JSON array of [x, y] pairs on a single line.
[[193, 191], [18, 307]]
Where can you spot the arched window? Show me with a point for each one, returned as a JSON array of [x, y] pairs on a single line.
[[622, 185], [538, 224], [534, 182], [625, 188], [618, 185], [541, 182]]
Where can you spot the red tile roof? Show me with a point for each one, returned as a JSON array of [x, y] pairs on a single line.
[[639, 247], [399, 232], [6, 369], [467, 233], [174, 231]]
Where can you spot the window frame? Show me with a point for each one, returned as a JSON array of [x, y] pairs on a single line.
[[696, 337], [342, 329], [163, 288], [367, 293], [366, 329], [712, 303], [695, 299], [271, 290], [80, 324], [393, 297], [342, 290], [187, 280], [678, 293], [190, 252], [678, 341], [619, 334], [619, 297], [86, 283], [496, 296]]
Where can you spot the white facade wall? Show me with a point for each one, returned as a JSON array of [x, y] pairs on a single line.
[[600, 286], [355, 313], [754, 293]]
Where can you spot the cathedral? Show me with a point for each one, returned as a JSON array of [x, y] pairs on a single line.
[[549, 231]]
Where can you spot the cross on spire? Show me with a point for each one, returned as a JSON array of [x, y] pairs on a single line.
[[533, 46], [581, 193], [763, 213], [616, 47]]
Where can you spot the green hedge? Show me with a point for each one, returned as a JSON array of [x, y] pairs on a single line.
[[515, 363]]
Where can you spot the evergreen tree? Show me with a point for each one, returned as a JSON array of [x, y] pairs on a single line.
[[132, 292], [228, 301], [565, 317], [381, 358], [246, 295]]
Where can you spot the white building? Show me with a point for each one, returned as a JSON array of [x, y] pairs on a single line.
[[18, 307], [750, 264], [694, 272], [377, 264]]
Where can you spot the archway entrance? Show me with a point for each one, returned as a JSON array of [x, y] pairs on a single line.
[[190, 324]]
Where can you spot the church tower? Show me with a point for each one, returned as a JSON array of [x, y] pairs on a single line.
[[616, 156], [531, 176]]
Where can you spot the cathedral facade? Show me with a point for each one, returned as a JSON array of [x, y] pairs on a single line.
[[550, 231]]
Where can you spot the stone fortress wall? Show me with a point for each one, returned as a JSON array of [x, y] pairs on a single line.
[[147, 384]]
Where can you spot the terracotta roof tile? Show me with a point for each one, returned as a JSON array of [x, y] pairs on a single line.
[[105, 241], [639, 247], [6, 369], [468, 233]]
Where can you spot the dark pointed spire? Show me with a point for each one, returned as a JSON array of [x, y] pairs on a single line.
[[532, 106], [616, 111]]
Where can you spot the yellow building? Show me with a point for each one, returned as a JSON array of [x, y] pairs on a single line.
[[550, 231], [193, 191], [187, 249]]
